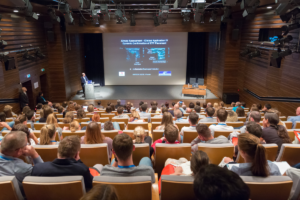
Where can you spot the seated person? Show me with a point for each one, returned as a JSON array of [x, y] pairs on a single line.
[[266, 108], [41, 99], [21, 119], [166, 119], [163, 110], [240, 112], [135, 117], [209, 115], [120, 113], [108, 109], [216, 183], [47, 110], [69, 117], [193, 119], [31, 138], [30, 118], [178, 116], [109, 126], [99, 105], [14, 145], [8, 111], [74, 126], [143, 112], [60, 110], [198, 112], [68, 163], [48, 133], [4, 124], [93, 135], [232, 116], [204, 135], [51, 119], [141, 137], [221, 126], [296, 118], [123, 164], [254, 154], [90, 109], [81, 114], [171, 136], [101, 192], [237, 104], [254, 116]]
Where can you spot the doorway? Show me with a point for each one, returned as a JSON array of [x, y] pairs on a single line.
[[31, 99], [45, 86]]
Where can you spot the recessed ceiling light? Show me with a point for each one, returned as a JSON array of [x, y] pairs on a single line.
[[38, 14], [269, 7], [16, 11]]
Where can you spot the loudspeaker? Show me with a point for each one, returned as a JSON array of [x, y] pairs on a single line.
[[235, 34], [50, 36], [230, 97]]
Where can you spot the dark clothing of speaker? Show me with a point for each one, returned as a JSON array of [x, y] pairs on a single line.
[[230, 97], [83, 81], [23, 100]]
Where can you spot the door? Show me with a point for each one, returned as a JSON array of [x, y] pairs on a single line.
[[31, 99]]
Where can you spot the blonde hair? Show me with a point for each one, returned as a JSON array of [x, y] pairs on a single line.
[[216, 106], [135, 114], [74, 126], [232, 116], [51, 119], [69, 117], [93, 134], [47, 133], [139, 133]]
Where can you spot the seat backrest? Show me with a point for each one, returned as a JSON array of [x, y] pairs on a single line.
[[208, 123], [283, 118], [182, 124], [141, 151], [288, 153], [110, 116], [133, 125], [189, 136], [157, 134], [269, 188], [62, 125], [297, 125], [122, 125], [125, 120], [292, 134], [59, 115], [10, 188], [164, 151], [9, 119], [130, 187], [82, 120], [130, 133], [47, 152], [235, 124], [271, 153], [104, 119], [156, 119], [216, 152], [177, 187], [47, 188], [186, 114], [92, 154], [224, 133], [111, 134], [39, 126], [288, 124], [78, 133], [154, 125]]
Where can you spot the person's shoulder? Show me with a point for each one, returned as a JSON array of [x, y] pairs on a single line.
[[108, 139], [274, 169]]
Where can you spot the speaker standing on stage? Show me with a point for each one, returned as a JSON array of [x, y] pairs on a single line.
[[23, 98], [84, 80]]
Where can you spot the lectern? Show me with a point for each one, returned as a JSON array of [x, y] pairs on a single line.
[[89, 91]]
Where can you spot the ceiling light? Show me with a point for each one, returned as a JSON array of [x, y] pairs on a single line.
[[38, 14], [269, 7], [16, 11]]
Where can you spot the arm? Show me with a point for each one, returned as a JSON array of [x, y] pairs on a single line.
[[32, 136], [157, 141], [178, 171], [5, 126]]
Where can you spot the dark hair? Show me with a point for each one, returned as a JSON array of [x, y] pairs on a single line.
[[20, 119], [240, 112], [191, 105], [23, 128], [64, 104], [254, 129], [112, 107], [39, 106], [222, 114], [268, 106], [255, 115], [215, 183], [153, 109], [77, 107], [173, 104], [198, 103], [29, 114], [47, 111], [108, 126], [25, 109], [69, 146], [144, 107], [60, 109], [197, 109], [258, 106], [164, 109], [167, 104], [171, 133], [101, 192], [120, 110], [193, 117], [108, 109], [123, 146], [198, 160], [243, 104], [141, 103], [2, 117], [203, 130], [210, 111], [40, 93], [128, 108], [204, 105], [99, 103], [80, 114]]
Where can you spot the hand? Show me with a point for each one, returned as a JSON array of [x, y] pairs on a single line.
[[178, 170], [3, 124], [163, 138], [133, 141], [30, 151], [227, 160]]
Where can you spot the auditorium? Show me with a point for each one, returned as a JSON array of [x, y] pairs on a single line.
[[149, 100]]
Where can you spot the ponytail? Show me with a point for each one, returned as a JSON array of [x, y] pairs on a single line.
[[47, 133], [20, 119], [260, 165], [283, 134]]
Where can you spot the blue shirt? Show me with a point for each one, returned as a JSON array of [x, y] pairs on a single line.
[[10, 124], [294, 120], [234, 109]]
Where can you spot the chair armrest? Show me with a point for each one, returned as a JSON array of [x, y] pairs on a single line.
[[155, 192]]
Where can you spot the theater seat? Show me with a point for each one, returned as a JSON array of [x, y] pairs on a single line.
[[38, 126], [164, 151], [125, 120], [271, 153], [157, 134], [297, 125], [9, 188], [189, 136], [133, 125], [82, 120], [47, 152], [49, 188], [235, 124], [79, 133], [130, 133], [104, 119], [289, 153], [154, 125], [242, 119], [111, 134], [110, 116], [208, 123], [288, 124], [224, 133], [216, 152], [131, 187], [156, 119], [141, 151], [177, 187], [270, 188], [182, 124], [92, 154]]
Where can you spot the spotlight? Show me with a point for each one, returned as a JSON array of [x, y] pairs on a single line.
[[51, 13], [280, 54], [287, 16], [253, 54], [186, 15], [199, 13], [65, 9], [156, 21], [290, 27], [180, 3], [227, 14], [39, 53], [229, 2], [121, 18], [284, 40], [250, 7], [105, 12], [245, 52], [213, 16], [163, 14], [3, 44], [16, 11], [132, 20], [269, 7], [27, 56], [95, 17]]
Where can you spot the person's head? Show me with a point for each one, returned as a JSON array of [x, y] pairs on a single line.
[[197, 109], [191, 105], [177, 113], [222, 115], [240, 112], [171, 133], [209, 104], [259, 106], [153, 109], [25, 109], [64, 104], [60, 109], [123, 147], [8, 112], [71, 107], [167, 104], [29, 114], [47, 111], [243, 104], [232, 116], [108, 109], [69, 117], [41, 113], [120, 110], [216, 183], [96, 117], [204, 133], [254, 129], [39, 106], [99, 103], [144, 107], [298, 111], [118, 102], [101, 192], [198, 103], [251, 149], [188, 110], [77, 107], [112, 107], [254, 108], [267, 107], [128, 108], [108, 126], [193, 118], [232, 104], [56, 105], [238, 104], [255, 116], [135, 114], [47, 134], [199, 159], [184, 107], [167, 119], [173, 103], [69, 147], [80, 114], [141, 103], [51, 119], [2, 117], [210, 111], [23, 128], [41, 94], [74, 126], [14, 143], [21, 119], [139, 133], [93, 134], [204, 105], [164, 109], [24, 89], [221, 104], [83, 74], [216, 106]]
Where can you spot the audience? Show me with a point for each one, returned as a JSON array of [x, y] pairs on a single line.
[[120, 110], [118, 104], [141, 137], [205, 136], [31, 138], [123, 164], [68, 163], [237, 104], [51, 119], [232, 104], [48, 133], [144, 113], [178, 116], [266, 108], [193, 120], [77, 107], [81, 114], [108, 109], [90, 109], [101, 192], [74, 126], [191, 105], [68, 118], [99, 105], [240, 112], [209, 115], [163, 110], [216, 183], [25, 109], [47, 111], [4, 124], [295, 118], [198, 112], [253, 117], [8, 112], [154, 104], [166, 120], [221, 126], [232, 116], [171, 136], [135, 117], [21, 119], [30, 118]]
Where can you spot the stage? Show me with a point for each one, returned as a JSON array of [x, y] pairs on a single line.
[[142, 92]]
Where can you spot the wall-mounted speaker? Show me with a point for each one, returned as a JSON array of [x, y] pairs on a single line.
[[235, 34], [230, 97]]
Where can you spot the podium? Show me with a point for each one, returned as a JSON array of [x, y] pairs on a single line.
[[89, 91]]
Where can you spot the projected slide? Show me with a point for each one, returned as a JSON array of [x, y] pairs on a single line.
[[145, 59]]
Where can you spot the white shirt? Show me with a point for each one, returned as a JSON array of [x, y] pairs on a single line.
[[220, 127], [185, 128]]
